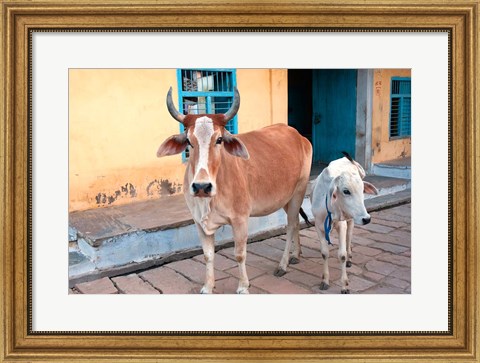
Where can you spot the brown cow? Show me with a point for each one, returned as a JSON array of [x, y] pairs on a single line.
[[230, 178]]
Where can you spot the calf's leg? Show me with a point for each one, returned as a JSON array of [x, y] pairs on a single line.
[[325, 284], [342, 254], [350, 226]]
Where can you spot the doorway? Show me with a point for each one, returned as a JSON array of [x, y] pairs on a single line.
[[322, 106], [300, 101]]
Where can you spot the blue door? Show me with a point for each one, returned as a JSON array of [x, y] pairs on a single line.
[[334, 98]]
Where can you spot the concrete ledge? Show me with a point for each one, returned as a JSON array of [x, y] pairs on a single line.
[[388, 200], [393, 170], [99, 226], [94, 274], [137, 247]]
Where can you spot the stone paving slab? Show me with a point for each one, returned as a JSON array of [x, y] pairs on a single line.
[[381, 265], [229, 286], [168, 281], [388, 247], [133, 284], [101, 286], [194, 270], [252, 272], [275, 285], [303, 278], [221, 263], [391, 217]]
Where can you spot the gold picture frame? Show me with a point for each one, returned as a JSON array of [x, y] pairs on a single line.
[[20, 18]]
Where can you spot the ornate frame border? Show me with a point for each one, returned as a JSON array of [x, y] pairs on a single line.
[[19, 19]]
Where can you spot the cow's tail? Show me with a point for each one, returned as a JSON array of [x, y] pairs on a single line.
[[305, 217]]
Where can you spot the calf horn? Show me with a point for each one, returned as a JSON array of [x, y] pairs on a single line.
[[234, 108], [171, 108], [347, 155]]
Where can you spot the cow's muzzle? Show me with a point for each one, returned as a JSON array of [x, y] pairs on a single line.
[[202, 189]]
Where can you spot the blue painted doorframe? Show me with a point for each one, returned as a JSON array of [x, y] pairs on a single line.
[[334, 95]]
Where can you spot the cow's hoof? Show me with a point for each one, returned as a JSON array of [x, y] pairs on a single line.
[[345, 291], [205, 290], [279, 272], [324, 286], [242, 290], [349, 263], [293, 260]]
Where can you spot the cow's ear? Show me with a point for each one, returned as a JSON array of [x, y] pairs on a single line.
[[173, 145], [369, 188], [235, 146]]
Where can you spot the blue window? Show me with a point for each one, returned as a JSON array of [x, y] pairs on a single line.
[[400, 108], [206, 91]]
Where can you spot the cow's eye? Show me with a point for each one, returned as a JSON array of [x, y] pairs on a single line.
[[219, 140], [189, 143], [346, 192]]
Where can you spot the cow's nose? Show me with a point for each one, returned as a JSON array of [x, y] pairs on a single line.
[[202, 187], [366, 220]]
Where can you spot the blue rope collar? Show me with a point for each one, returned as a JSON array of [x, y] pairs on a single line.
[[327, 225]]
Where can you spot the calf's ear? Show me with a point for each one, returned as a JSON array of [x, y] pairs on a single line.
[[369, 188], [173, 145], [333, 193], [234, 146], [361, 171]]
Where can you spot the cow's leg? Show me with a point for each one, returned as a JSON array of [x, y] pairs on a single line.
[[240, 235], [208, 246], [325, 284], [342, 253], [282, 266], [297, 250], [293, 210], [350, 226]]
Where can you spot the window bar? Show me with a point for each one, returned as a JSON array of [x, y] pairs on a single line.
[[212, 74], [400, 116], [208, 108]]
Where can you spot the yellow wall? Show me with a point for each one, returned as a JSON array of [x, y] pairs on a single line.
[[264, 98], [118, 118], [382, 147]]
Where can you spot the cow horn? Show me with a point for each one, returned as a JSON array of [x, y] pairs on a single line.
[[235, 106], [171, 108]]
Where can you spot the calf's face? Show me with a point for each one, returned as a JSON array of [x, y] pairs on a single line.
[[346, 194]]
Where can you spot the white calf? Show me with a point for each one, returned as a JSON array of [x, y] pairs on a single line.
[[337, 201]]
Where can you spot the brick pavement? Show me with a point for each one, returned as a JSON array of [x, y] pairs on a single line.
[[381, 264]]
